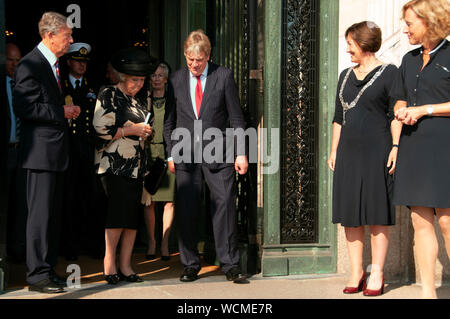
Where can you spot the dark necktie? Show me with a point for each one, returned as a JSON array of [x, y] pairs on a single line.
[[77, 84], [198, 95]]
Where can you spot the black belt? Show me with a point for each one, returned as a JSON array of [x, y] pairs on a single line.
[[156, 143], [13, 145]]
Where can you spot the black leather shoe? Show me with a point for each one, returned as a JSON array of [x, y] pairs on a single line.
[[112, 279], [60, 281], [234, 274], [189, 274], [46, 286], [150, 257], [130, 278], [165, 258]]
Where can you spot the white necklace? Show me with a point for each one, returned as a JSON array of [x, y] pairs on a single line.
[[347, 106]]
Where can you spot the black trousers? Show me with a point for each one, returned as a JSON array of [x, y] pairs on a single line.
[[44, 199], [221, 184]]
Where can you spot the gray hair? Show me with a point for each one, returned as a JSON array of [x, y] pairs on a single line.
[[120, 75], [52, 22], [165, 69]]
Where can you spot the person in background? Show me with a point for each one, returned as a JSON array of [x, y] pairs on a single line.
[[166, 191], [16, 179], [82, 221], [422, 92], [119, 121], [363, 155], [44, 147]]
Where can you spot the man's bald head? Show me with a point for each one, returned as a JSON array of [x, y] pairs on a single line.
[[13, 57]]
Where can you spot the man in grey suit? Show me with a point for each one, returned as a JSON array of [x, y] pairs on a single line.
[[202, 98], [43, 150]]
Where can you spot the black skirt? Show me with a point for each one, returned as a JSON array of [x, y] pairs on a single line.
[[124, 201]]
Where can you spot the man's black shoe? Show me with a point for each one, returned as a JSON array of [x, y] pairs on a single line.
[[57, 280], [234, 274], [46, 286], [189, 274]]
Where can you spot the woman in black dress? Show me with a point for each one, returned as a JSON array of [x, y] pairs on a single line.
[[119, 121], [422, 92], [363, 155]]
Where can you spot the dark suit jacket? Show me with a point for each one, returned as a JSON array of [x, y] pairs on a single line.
[[38, 102], [220, 106]]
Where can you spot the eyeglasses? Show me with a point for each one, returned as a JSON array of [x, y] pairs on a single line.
[[159, 76]]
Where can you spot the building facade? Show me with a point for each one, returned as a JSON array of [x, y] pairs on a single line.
[[286, 56]]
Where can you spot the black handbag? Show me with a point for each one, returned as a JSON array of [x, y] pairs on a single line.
[[155, 176]]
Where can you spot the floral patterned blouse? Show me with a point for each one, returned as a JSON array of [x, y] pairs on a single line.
[[123, 156]]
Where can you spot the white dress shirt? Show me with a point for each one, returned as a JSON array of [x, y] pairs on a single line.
[[49, 56], [72, 80]]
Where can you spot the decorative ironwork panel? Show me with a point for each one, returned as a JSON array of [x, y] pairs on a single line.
[[298, 132]]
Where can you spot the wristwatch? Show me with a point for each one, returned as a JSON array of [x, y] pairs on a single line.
[[430, 109]]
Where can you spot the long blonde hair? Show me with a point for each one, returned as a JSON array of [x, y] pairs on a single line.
[[435, 14]]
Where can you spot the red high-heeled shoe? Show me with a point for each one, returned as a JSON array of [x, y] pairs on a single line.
[[361, 286], [373, 293]]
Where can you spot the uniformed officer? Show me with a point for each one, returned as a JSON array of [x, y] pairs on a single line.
[[83, 221]]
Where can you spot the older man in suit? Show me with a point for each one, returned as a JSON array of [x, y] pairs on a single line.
[[39, 103], [204, 97]]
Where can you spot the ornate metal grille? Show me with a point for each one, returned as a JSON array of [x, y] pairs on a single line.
[[298, 131]]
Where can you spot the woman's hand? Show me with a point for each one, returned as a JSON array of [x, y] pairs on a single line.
[[142, 130], [171, 167], [392, 160], [410, 115], [400, 114], [332, 160]]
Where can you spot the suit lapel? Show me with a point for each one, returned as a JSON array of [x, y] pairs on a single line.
[[49, 71], [210, 84]]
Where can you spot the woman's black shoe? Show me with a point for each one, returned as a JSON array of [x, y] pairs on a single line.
[[112, 279], [150, 257], [130, 278], [165, 258]]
